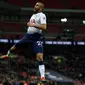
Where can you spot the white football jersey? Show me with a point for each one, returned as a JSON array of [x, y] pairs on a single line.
[[39, 18]]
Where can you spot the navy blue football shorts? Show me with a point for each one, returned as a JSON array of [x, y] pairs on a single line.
[[35, 40]]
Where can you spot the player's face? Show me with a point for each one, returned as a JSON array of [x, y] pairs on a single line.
[[37, 7]]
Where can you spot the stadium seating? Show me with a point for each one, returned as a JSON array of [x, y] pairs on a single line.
[[59, 4], [21, 28], [32, 2]]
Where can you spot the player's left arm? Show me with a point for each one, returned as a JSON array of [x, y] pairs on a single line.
[[41, 26]]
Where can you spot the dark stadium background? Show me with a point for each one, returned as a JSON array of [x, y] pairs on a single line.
[[14, 15]]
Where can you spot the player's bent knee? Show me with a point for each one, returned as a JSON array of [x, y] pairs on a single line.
[[39, 56]]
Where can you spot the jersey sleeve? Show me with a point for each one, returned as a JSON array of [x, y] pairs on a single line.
[[43, 19]]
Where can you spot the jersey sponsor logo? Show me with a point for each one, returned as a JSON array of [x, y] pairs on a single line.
[[32, 21]]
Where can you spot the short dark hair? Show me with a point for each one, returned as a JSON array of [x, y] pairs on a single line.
[[42, 4]]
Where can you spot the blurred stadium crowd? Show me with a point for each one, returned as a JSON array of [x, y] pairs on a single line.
[[66, 22]]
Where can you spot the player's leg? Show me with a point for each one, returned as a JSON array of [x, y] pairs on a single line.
[[41, 65], [15, 46], [11, 51], [38, 48]]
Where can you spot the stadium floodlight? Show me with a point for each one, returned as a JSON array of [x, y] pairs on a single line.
[[83, 21], [64, 20]]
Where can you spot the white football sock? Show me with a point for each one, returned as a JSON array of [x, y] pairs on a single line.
[[42, 70], [8, 53]]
